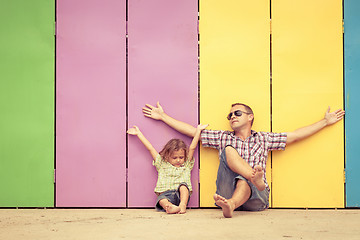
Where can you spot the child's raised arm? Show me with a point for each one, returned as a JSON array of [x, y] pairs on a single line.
[[195, 140], [136, 131]]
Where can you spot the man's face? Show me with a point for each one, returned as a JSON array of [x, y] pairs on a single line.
[[239, 122]]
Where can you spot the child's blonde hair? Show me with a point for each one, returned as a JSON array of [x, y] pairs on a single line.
[[171, 146]]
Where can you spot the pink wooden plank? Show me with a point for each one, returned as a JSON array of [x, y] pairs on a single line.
[[163, 64], [91, 103]]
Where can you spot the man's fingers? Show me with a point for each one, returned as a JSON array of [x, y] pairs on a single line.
[[147, 114], [340, 111], [341, 115], [149, 106], [146, 110]]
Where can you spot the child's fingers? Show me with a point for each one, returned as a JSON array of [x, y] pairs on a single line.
[[133, 131]]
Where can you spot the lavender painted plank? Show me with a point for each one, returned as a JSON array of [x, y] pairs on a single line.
[[163, 66], [91, 103]]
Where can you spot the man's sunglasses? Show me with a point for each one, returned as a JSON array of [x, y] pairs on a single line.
[[237, 113]]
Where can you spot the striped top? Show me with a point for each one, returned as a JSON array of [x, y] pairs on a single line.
[[170, 177], [254, 150]]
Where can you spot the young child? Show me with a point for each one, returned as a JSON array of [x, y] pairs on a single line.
[[174, 164]]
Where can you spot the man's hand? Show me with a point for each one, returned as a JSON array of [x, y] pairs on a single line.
[[134, 131], [157, 113], [333, 117], [153, 112]]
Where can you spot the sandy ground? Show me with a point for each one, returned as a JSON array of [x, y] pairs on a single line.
[[108, 224]]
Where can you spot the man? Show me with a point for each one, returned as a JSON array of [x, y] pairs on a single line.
[[241, 179]]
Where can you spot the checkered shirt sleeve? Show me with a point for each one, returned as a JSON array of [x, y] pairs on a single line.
[[276, 141], [211, 138]]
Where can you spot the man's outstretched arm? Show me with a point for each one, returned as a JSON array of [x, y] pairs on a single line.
[[158, 113], [304, 132]]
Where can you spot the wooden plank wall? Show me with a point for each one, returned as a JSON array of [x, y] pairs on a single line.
[[289, 71]]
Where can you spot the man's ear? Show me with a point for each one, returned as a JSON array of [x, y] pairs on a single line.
[[250, 117]]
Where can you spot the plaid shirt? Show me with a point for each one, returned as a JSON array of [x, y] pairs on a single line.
[[254, 150], [170, 177]]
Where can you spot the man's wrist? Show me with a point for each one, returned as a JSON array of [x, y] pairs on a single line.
[[325, 122], [163, 116]]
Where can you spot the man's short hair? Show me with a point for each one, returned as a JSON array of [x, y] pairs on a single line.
[[247, 108]]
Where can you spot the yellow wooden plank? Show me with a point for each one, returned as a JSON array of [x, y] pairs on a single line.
[[234, 67], [307, 78]]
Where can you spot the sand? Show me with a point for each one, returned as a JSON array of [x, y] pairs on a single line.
[[108, 224]]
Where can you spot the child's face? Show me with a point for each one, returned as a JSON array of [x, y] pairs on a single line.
[[177, 158]]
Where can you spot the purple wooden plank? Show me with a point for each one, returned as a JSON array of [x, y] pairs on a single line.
[[163, 64], [91, 103]]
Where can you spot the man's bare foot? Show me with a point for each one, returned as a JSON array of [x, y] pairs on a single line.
[[171, 209], [257, 178], [182, 208], [226, 205]]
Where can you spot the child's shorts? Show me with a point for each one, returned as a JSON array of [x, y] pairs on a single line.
[[172, 195]]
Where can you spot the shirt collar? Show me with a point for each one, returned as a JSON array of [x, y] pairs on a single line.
[[252, 134]]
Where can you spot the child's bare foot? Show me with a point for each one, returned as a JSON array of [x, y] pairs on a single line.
[[171, 209], [226, 205], [257, 178], [182, 208]]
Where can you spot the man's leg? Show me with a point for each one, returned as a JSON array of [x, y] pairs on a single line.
[[241, 194], [240, 166]]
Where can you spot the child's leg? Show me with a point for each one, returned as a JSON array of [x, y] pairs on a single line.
[[168, 206], [240, 166], [184, 198]]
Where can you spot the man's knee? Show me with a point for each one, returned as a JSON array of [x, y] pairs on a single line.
[[229, 148]]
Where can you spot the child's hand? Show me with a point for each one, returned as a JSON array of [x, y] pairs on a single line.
[[134, 131], [195, 140], [201, 127]]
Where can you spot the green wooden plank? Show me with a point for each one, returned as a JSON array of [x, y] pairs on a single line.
[[27, 103]]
